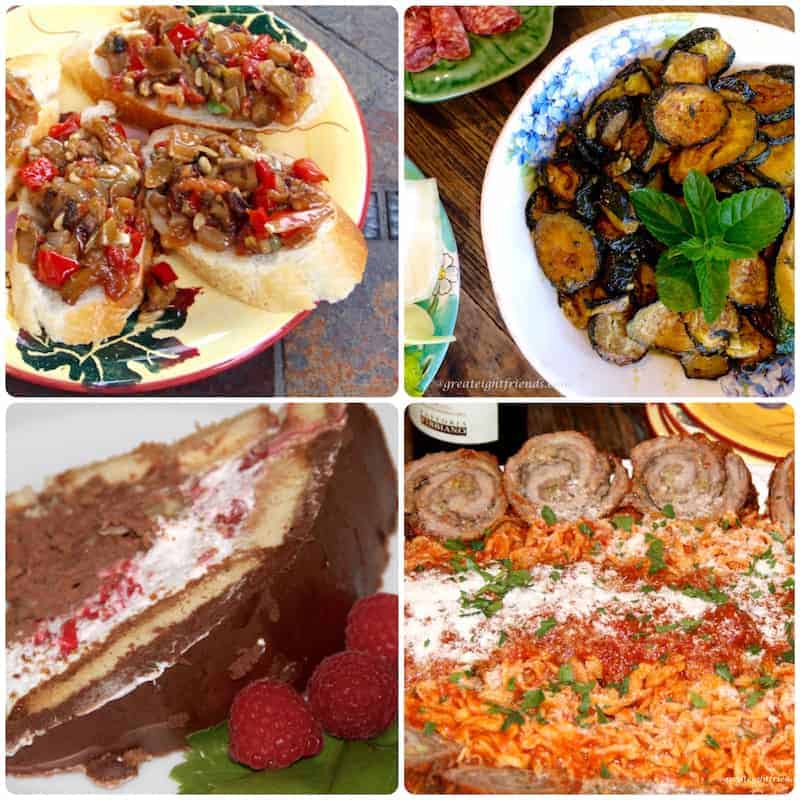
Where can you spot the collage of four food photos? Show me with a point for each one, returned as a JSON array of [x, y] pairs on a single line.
[[399, 399]]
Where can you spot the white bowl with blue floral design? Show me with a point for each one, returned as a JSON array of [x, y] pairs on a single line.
[[561, 353]]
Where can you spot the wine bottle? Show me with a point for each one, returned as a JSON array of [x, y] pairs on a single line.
[[497, 428]]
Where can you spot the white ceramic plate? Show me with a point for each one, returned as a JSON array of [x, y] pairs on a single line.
[[88, 432], [558, 351]]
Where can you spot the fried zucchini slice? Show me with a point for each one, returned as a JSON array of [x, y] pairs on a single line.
[[777, 132], [686, 115], [563, 179], [749, 282], [658, 326], [727, 149], [757, 153], [782, 293], [566, 250], [617, 207], [777, 169], [686, 67], [658, 153], [634, 80], [734, 89], [636, 141], [645, 290], [708, 42], [609, 338], [749, 344], [712, 337], [773, 89], [540, 202], [705, 367], [575, 306]]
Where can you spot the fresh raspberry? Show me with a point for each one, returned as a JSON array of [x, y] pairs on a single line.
[[353, 695], [372, 626], [271, 726]]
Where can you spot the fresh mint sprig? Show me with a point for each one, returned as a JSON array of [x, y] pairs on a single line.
[[704, 236]]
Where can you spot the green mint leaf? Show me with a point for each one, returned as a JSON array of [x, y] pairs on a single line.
[[662, 215], [754, 217], [713, 279], [676, 282], [548, 515], [694, 249], [720, 250], [701, 200]]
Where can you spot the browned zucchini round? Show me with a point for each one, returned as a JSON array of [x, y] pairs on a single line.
[[714, 336], [563, 179], [686, 115], [707, 42], [704, 367], [749, 282], [540, 202], [773, 89], [777, 132], [727, 149], [609, 338], [658, 326], [778, 168], [566, 250], [734, 89], [757, 153], [686, 67], [749, 344]]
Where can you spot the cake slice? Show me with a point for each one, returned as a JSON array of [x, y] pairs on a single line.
[[144, 591]]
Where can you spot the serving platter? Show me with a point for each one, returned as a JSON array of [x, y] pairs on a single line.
[[207, 332], [561, 353], [492, 58], [443, 305], [31, 430]]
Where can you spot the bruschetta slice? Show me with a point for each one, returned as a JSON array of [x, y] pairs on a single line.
[[31, 108], [253, 224], [80, 243], [166, 67]]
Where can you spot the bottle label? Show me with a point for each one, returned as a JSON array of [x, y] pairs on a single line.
[[462, 424]]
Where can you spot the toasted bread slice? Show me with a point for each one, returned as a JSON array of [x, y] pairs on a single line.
[[91, 72], [290, 280], [37, 308], [42, 76]]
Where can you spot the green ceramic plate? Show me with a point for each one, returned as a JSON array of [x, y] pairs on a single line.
[[493, 58]]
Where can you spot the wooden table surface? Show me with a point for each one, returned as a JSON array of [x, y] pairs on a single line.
[[347, 348], [452, 141]]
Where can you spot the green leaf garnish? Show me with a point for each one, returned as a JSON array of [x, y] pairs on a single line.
[[704, 236], [548, 515], [668, 511]]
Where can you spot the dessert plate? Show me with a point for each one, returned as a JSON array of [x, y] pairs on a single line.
[[443, 305], [206, 332], [558, 351], [31, 433], [492, 58]]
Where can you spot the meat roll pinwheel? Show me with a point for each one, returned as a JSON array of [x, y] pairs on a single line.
[[455, 495], [695, 477], [567, 473], [781, 494]]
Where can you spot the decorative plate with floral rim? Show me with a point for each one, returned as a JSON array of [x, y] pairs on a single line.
[[561, 353], [491, 59], [442, 306], [206, 332]]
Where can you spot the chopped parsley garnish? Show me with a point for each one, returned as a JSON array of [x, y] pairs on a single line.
[[503, 638], [548, 515], [555, 575], [622, 686], [753, 649], [768, 556], [724, 671], [684, 769], [690, 624], [512, 684], [489, 598], [753, 698], [477, 544], [456, 545], [545, 626], [697, 701], [585, 530], [668, 511], [532, 699], [623, 521], [767, 681], [565, 674], [429, 728], [776, 536], [712, 595], [671, 626], [604, 773], [712, 742], [647, 589], [788, 584], [602, 718], [512, 716], [655, 554], [640, 718], [455, 677]]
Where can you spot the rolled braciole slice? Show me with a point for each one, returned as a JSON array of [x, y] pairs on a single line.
[[566, 473], [695, 477], [780, 503], [455, 495]]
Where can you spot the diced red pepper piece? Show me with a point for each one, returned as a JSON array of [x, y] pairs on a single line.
[[137, 239], [119, 129], [136, 63], [191, 94], [302, 66], [250, 68], [38, 172], [258, 222], [180, 35], [260, 48], [120, 260], [68, 637], [266, 182], [307, 170], [52, 269], [61, 130], [163, 273]]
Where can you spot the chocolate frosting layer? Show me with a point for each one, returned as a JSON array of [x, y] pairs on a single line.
[[280, 621]]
